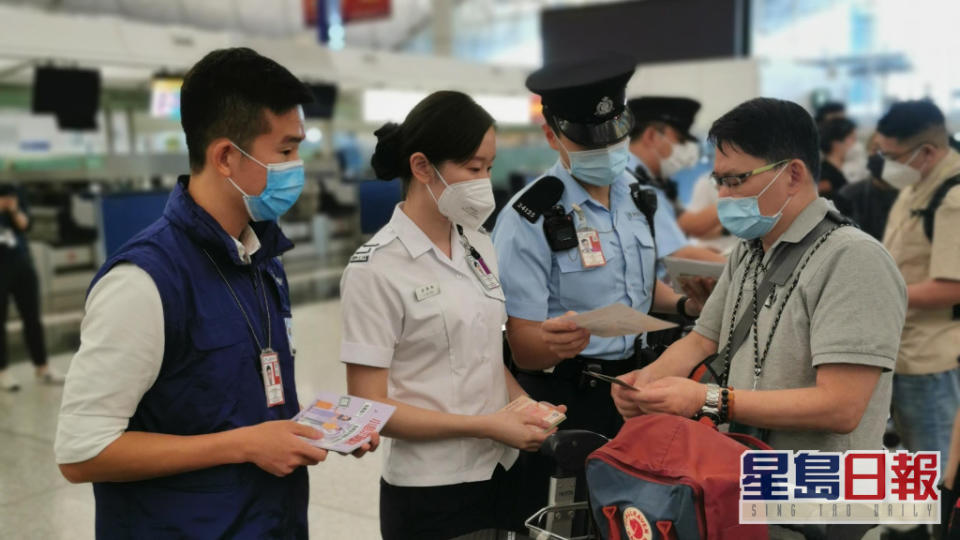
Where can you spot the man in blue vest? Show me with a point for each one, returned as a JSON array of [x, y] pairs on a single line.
[[177, 404]]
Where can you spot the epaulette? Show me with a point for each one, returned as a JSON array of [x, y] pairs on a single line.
[[539, 197], [364, 252]]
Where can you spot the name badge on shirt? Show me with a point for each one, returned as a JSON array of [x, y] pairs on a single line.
[[272, 380], [591, 250], [482, 271], [422, 293]]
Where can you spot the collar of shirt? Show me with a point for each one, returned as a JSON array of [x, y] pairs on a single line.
[[416, 241], [633, 162], [201, 227], [921, 192], [804, 223], [247, 245]]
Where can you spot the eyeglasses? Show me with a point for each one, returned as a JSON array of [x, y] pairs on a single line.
[[734, 180], [897, 156]]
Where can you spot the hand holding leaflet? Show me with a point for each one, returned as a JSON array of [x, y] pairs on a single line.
[[681, 270], [619, 320], [346, 422]]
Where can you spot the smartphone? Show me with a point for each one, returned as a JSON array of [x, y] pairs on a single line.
[[609, 379]]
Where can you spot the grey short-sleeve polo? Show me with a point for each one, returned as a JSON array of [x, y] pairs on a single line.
[[848, 308]]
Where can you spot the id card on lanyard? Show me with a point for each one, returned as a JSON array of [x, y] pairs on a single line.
[[272, 381], [269, 359], [476, 263], [588, 242]]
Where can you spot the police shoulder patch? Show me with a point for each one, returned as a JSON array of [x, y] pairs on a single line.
[[539, 197]]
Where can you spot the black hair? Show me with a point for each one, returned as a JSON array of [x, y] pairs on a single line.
[[907, 119], [835, 130], [225, 94], [770, 129], [552, 120], [445, 126], [828, 108]]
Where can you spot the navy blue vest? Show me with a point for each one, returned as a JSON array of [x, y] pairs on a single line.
[[209, 382]]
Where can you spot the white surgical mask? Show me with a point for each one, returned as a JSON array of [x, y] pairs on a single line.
[[900, 175], [682, 156], [855, 163], [467, 203]]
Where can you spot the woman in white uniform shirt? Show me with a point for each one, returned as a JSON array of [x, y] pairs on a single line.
[[422, 318]]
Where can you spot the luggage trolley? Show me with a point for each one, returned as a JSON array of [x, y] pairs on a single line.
[[565, 518]]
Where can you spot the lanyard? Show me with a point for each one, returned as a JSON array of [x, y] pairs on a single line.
[[466, 245], [476, 263], [236, 299]]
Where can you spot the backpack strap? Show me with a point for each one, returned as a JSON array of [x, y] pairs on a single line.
[[929, 214], [749, 441]]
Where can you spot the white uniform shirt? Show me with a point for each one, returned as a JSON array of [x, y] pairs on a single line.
[[430, 321], [120, 355]]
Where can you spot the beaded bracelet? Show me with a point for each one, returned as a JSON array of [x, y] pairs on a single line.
[[726, 402]]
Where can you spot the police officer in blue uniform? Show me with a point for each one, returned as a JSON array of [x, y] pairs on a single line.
[[178, 404], [577, 239], [660, 146]]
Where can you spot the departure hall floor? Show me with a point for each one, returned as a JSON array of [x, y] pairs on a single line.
[[37, 503]]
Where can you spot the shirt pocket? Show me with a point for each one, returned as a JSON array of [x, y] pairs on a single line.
[[424, 320], [642, 250], [279, 288], [579, 288], [223, 356], [494, 294]]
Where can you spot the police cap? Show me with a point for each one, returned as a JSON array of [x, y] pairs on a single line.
[[586, 98], [676, 112]]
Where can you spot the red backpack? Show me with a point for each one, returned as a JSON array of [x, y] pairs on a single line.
[[671, 478]]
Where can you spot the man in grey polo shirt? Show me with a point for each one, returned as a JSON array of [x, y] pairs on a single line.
[[814, 371]]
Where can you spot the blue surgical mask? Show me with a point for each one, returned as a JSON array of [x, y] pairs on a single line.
[[284, 184], [599, 167], [741, 216]]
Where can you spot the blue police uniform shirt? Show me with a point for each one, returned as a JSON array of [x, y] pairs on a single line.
[[540, 283], [669, 236]]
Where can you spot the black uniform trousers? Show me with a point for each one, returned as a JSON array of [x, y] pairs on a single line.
[[18, 279], [443, 512]]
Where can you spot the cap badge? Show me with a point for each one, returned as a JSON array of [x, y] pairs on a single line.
[[605, 107]]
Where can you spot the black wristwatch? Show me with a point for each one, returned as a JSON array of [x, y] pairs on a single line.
[[681, 305]]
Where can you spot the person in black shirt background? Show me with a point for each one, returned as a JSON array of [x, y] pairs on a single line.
[[18, 279], [837, 137], [868, 202]]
